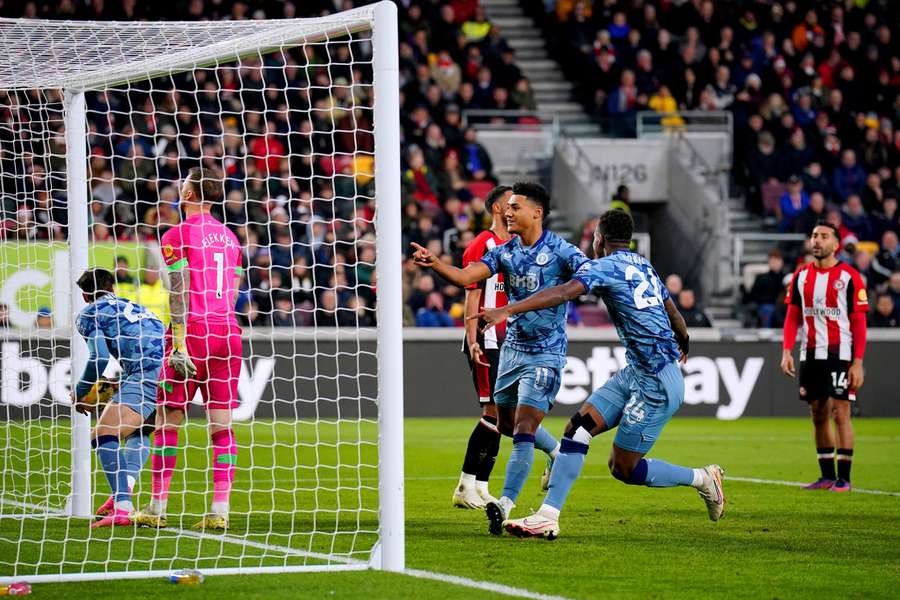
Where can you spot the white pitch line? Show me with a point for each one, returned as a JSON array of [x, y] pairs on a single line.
[[230, 539], [30, 506], [801, 484], [497, 588]]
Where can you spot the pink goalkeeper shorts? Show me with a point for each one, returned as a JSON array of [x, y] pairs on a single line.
[[215, 350]]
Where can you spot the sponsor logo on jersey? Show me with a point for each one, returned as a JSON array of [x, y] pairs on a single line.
[[528, 281], [862, 296], [542, 259], [832, 312]]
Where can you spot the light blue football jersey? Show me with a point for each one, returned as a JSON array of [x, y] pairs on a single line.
[[526, 270], [132, 334], [634, 297]]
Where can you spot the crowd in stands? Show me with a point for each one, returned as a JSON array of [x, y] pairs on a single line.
[[812, 87], [290, 135]]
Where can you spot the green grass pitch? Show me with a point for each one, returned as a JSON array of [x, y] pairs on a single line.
[[774, 541]]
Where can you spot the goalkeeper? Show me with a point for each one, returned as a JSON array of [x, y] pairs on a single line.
[[115, 327]]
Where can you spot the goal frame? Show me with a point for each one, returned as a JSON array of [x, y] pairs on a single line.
[[389, 550]]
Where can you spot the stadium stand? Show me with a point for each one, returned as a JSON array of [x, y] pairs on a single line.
[[451, 59], [812, 87]]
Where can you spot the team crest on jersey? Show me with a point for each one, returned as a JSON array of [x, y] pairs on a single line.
[[168, 251], [542, 259], [839, 285]]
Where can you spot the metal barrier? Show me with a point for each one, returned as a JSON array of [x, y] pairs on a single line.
[[739, 241], [650, 122]]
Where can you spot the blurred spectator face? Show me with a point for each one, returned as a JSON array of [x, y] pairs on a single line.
[[854, 206], [426, 224], [470, 136], [889, 206], [834, 217], [645, 60], [447, 13], [151, 276], [885, 305], [627, 78], [122, 271], [416, 159], [477, 205], [722, 76], [817, 202], [798, 139], [425, 284], [862, 260], [686, 299], [328, 301], [44, 319], [674, 284], [435, 247], [889, 241], [814, 169], [435, 301], [776, 263], [895, 282]]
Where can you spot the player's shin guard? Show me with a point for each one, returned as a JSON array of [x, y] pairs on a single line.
[[566, 469], [164, 456], [491, 450], [224, 462], [519, 465], [113, 463], [652, 472], [483, 439], [844, 462], [137, 450], [545, 442]]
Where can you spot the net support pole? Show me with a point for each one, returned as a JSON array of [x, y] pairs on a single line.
[[77, 194], [390, 294]]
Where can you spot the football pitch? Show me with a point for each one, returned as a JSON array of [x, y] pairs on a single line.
[[775, 540]]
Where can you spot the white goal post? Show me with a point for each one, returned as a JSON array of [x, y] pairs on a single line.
[[301, 119]]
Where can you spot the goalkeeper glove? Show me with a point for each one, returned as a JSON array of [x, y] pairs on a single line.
[[179, 359]]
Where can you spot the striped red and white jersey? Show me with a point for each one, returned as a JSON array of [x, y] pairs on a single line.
[[493, 294], [826, 298]]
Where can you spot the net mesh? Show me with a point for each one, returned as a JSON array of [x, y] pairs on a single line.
[[283, 120]]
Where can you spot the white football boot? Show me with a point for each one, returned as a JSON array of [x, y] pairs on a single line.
[[712, 491], [536, 525], [466, 496]]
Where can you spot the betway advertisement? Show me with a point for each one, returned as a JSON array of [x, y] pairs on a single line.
[[310, 375]]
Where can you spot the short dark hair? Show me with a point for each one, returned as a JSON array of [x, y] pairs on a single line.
[[616, 226], [534, 192], [208, 189], [495, 195], [831, 226], [94, 282]]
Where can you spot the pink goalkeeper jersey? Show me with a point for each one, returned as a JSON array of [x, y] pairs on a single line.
[[212, 255]]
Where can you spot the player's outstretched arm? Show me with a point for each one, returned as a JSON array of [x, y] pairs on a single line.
[[546, 298], [473, 273], [679, 327]]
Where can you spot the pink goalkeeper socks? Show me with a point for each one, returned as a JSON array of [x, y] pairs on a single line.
[[224, 461], [164, 456]]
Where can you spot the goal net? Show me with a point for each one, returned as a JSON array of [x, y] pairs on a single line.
[[99, 124]]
